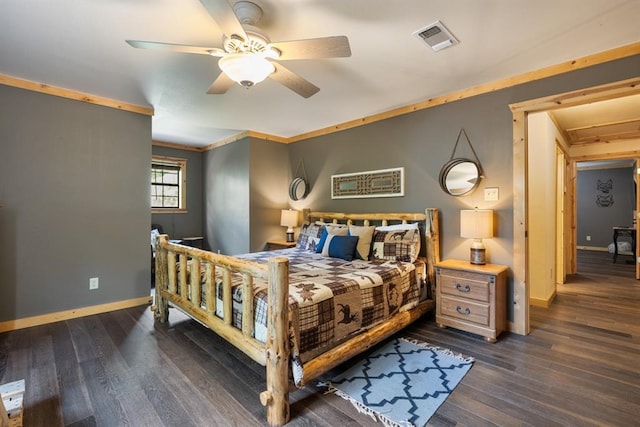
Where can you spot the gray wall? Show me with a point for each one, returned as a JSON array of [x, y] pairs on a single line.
[[179, 225], [422, 142], [74, 185], [598, 221], [245, 186], [269, 184], [74, 182], [226, 198]]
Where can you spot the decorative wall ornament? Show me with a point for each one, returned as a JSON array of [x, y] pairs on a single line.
[[460, 176], [604, 197], [377, 183], [299, 187]]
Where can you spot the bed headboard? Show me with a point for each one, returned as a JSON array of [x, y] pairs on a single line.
[[428, 220]]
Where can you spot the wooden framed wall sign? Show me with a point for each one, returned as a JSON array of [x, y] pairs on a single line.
[[378, 183]]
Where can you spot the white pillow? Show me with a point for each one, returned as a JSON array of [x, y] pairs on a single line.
[[395, 227], [154, 233], [330, 224], [365, 235]]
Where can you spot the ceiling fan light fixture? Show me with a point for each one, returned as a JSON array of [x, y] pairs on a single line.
[[246, 69]]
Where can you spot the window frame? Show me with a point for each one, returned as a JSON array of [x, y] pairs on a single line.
[[181, 164]]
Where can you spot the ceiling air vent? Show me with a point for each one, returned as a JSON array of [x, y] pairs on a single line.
[[436, 36]]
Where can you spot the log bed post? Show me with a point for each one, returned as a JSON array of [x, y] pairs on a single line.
[[161, 306], [432, 247], [276, 397]]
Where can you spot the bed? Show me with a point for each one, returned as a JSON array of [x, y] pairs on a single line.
[[352, 280]]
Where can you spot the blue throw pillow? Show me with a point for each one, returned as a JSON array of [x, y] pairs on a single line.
[[326, 231], [320, 244], [342, 247]]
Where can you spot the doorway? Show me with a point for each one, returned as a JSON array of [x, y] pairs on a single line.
[[522, 256], [606, 201]]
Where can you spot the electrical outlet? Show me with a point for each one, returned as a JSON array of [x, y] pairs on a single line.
[[588, 238], [94, 283]]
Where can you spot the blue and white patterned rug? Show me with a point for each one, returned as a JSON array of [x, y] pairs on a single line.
[[402, 383]]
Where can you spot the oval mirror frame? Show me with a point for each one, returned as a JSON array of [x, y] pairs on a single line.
[[460, 176], [298, 189]]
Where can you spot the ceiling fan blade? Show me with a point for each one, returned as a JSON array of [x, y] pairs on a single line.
[[222, 12], [220, 85], [288, 78], [324, 47], [214, 51]]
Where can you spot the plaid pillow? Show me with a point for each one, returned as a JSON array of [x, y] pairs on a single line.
[[396, 245], [309, 236]]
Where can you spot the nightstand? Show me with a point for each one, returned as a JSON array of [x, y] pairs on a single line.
[[273, 245], [472, 297], [195, 242]]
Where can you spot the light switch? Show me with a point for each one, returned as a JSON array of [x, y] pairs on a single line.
[[491, 194]]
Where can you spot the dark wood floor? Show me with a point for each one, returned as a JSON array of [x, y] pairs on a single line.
[[601, 263], [579, 366]]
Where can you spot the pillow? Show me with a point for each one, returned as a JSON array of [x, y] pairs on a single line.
[[340, 247], [396, 245], [154, 233], [338, 230], [332, 231], [309, 236], [365, 235], [330, 223], [411, 226]]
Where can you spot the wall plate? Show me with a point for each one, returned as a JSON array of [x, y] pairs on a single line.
[[491, 194]]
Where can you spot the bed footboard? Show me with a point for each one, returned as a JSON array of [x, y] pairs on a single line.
[[179, 271]]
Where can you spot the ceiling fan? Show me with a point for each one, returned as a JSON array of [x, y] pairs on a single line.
[[247, 55]]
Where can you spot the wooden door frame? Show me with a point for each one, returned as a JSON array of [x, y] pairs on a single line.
[[520, 111], [562, 238]]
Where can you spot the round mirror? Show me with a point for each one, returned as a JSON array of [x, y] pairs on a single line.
[[298, 189], [459, 177]]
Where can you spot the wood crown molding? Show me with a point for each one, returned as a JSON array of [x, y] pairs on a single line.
[[564, 67], [71, 94], [579, 97], [550, 71], [225, 141], [249, 134], [156, 143]]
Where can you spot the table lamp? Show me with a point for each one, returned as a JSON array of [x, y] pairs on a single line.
[[289, 219], [476, 224]]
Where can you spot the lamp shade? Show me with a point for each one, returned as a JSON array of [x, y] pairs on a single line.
[[476, 223], [246, 69], [289, 218]]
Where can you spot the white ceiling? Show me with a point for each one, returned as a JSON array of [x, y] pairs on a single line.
[[80, 45], [605, 121]]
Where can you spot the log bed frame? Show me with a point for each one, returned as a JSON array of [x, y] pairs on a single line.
[[275, 353]]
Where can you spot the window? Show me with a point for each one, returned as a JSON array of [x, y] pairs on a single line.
[[168, 184]]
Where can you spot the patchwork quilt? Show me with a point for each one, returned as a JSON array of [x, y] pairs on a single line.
[[331, 299]]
